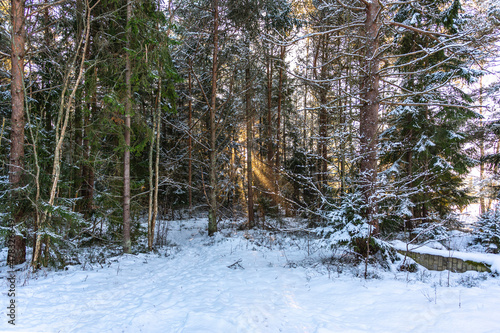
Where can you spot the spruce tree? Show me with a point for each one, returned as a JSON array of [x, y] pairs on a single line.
[[423, 146]]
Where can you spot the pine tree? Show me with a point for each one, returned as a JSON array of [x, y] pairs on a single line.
[[17, 242], [423, 145]]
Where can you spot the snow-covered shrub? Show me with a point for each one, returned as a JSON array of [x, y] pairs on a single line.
[[345, 223], [471, 279], [346, 227], [408, 265], [488, 229], [428, 231]]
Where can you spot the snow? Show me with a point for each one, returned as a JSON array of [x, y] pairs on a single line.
[[246, 282], [453, 136], [423, 143], [442, 164]]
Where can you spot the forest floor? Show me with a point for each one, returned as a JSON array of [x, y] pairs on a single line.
[[243, 281]]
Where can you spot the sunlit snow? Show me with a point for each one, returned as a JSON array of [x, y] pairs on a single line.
[[247, 282]]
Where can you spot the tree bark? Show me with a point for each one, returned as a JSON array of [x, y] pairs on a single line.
[[482, 206], [277, 153], [88, 169], [278, 116], [269, 141], [323, 117], [212, 214], [126, 154], [157, 163], [151, 177], [369, 115], [17, 248], [249, 119], [190, 140]]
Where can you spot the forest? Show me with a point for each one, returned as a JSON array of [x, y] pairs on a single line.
[[362, 118]]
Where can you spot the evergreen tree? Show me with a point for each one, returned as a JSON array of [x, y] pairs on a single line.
[[423, 146]]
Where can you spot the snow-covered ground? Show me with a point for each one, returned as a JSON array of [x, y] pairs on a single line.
[[247, 282]]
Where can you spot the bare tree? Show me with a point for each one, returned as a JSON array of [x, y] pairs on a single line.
[[66, 108]]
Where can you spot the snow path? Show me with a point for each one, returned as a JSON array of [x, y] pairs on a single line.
[[195, 291]]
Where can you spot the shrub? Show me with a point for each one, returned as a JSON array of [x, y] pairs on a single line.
[[488, 229], [348, 228]]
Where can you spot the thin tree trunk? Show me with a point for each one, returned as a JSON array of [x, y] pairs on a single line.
[[48, 125], [269, 141], [17, 248], [157, 122], [157, 163], [77, 173], [482, 206], [424, 212], [409, 161], [369, 115], [342, 140], [280, 100], [88, 168], [495, 171], [277, 153], [212, 215], [304, 133], [65, 108], [317, 163], [190, 140], [324, 114], [249, 116], [322, 144], [151, 177], [126, 154]]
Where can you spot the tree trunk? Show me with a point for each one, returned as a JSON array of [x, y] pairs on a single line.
[[409, 161], [269, 141], [277, 153], [65, 109], [343, 145], [212, 214], [304, 131], [88, 168], [151, 231], [126, 154], [190, 140], [249, 116], [17, 248], [323, 131], [157, 162], [278, 116], [482, 206], [369, 115], [320, 61]]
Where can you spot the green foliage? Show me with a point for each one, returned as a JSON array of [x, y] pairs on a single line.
[[488, 229], [365, 246], [422, 150], [300, 170], [279, 15], [407, 266], [347, 228], [345, 224]]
